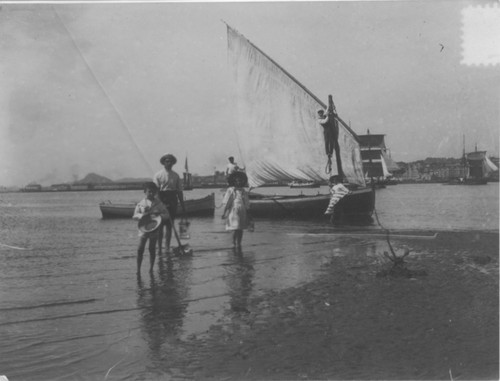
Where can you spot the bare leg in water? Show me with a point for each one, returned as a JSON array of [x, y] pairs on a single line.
[[140, 252], [168, 235], [237, 236], [152, 252], [160, 237]]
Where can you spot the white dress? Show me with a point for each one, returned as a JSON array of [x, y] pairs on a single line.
[[236, 203]]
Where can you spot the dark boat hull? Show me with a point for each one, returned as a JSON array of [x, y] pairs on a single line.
[[359, 204], [194, 208]]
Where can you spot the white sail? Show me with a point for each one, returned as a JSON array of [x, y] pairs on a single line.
[[489, 166], [384, 168], [479, 165], [278, 134]]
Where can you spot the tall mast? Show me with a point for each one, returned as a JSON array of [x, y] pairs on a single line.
[[464, 160]]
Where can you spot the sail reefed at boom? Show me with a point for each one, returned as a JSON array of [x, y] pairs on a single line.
[[278, 133]]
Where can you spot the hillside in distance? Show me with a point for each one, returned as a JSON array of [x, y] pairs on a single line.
[[94, 178]]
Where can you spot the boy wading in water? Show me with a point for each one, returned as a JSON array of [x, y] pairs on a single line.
[[153, 207], [236, 204]]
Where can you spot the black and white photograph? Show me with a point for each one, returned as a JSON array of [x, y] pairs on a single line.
[[286, 190]]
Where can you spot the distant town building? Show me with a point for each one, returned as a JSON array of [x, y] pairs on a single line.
[[217, 179], [32, 188], [60, 187]]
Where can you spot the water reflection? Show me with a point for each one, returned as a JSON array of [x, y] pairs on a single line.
[[163, 305], [240, 280]]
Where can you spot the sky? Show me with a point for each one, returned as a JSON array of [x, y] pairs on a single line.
[[109, 88]]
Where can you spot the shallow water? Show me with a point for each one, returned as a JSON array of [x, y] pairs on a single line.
[[71, 306]]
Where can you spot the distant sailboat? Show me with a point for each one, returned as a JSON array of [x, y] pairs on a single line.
[[476, 168], [281, 141], [377, 163], [479, 168], [188, 178]]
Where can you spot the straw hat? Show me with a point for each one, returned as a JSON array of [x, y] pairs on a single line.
[[149, 223]]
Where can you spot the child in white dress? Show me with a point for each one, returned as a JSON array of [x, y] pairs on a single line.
[[236, 204]]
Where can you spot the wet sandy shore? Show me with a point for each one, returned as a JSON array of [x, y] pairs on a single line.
[[353, 323]]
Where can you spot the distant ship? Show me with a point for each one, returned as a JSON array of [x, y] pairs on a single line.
[[477, 169], [378, 166]]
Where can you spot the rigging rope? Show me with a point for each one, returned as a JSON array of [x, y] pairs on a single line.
[[328, 167], [387, 231], [122, 121]]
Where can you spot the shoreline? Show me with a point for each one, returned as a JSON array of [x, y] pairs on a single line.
[[351, 323]]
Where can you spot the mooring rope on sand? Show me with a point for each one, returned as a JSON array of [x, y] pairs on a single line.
[[387, 232]]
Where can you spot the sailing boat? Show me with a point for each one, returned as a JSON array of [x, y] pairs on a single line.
[[477, 168], [378, 165], [188, 178], [280, 139]]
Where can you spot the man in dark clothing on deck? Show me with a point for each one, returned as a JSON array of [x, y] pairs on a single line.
[[232, 167]]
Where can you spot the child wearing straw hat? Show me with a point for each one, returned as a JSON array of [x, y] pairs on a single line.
[[150, 212]]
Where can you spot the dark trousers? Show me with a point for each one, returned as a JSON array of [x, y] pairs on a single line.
[[170, 199]]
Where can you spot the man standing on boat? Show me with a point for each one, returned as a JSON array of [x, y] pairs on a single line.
[[232, 167], [170, 191]]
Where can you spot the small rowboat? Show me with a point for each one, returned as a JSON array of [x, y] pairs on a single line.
[[195, 207]]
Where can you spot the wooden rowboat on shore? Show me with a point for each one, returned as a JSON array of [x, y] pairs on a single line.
[[194, 208]]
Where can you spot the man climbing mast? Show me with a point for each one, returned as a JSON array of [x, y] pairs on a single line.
[[328, 120]]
